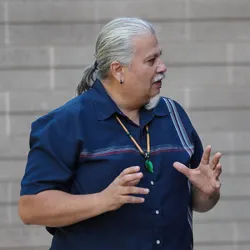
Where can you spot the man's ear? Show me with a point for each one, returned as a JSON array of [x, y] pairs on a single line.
[[117, 71]]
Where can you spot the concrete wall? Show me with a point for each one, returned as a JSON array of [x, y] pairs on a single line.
[[44, 46]]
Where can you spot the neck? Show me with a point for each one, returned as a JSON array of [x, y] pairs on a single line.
[[133, 115], [128, 107]]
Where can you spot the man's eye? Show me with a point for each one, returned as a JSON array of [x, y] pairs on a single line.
[[151, 61]]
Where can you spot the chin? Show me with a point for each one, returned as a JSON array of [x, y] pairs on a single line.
[[153, 102]]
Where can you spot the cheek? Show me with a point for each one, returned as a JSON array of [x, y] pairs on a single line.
[[142, 77], [148, 75], [151, 72]]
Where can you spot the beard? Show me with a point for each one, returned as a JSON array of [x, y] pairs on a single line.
[[153, 102]]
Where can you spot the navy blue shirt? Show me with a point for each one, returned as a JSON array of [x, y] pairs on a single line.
[[80, 148]]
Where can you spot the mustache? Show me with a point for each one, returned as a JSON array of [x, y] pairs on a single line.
[[158, 77]]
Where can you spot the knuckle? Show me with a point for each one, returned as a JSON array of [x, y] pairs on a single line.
[[121, 200], [127, 178], [115, 182], [122, 190], [219, 166], [218, 170], [127, 199], [140, 190], [130, 189], [123, 172], [123, 179], [131, 199]]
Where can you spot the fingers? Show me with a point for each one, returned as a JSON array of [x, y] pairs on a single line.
[[218, 184], [132, 199], [217, 171], [128, 192], [125, 179], [122, 189], [129, 170], [133, 183], [182, 169], [129, 176], [215, 160], [206, 155], [135, 190]]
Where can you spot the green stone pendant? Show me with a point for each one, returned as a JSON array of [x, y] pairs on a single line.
[[149, 166]]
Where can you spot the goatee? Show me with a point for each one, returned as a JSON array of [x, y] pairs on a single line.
[[153, 102]]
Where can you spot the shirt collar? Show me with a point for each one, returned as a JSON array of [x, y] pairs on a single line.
[[106, 107], [161, 109]]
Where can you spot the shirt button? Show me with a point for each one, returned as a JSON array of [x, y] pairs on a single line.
[[158, 242], [157, 212], [152, 183]]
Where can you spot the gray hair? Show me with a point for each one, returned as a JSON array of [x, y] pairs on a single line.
[[114, 43]]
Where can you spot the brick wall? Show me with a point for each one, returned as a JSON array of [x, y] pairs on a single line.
[[44, 46]]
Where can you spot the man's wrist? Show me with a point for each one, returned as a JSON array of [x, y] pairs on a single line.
[[102, 202]]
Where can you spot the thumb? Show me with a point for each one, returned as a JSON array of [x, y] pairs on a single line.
[[182, 169]]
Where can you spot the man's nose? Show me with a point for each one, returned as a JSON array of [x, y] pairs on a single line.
[[162, 68]]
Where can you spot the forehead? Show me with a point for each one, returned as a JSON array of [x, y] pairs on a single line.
[[146, 45]]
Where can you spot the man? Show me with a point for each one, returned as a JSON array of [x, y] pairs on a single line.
[[119, 167]]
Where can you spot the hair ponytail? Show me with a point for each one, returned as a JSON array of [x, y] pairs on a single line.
[[89, 76]]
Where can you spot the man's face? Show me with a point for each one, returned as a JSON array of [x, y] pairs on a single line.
[[143, 76]]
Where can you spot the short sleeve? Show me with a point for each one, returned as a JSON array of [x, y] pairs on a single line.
[[52, 156]]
